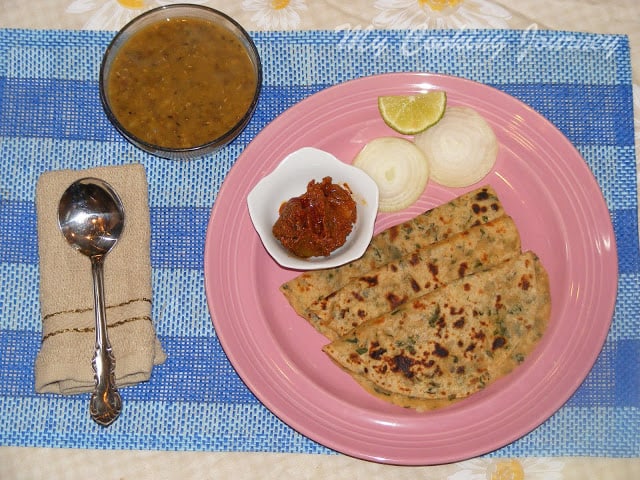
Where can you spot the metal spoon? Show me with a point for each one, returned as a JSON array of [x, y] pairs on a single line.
[[91, 218]]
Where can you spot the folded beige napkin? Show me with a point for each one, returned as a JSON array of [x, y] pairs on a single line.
[[63, 364]]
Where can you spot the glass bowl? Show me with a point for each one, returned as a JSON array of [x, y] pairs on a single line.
[[180, 81]]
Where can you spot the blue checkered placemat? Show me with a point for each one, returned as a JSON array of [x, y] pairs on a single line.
[[51, 118]]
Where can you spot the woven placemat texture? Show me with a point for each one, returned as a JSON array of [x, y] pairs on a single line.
[[51, 118]]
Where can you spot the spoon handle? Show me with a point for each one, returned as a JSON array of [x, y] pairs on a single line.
[[105, 403]]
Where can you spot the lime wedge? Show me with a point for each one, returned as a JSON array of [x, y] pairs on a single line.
[[411, 114]]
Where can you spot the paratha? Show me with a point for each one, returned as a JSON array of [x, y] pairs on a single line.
[[454, 341], [476, 207], [388, 287]]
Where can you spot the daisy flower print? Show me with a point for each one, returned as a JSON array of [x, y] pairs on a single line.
[[440, 14], [275, 14]]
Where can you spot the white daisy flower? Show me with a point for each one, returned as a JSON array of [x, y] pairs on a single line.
[[114, 14], [275, 14], [509, 469], [432, 14]]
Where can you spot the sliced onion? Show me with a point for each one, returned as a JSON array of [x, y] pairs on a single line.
[[461, 148], [398, 167]]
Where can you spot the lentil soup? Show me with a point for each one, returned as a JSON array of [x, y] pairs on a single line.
[[181, 82]]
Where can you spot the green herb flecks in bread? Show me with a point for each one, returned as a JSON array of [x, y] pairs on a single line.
[[388, 287], [452, 342]]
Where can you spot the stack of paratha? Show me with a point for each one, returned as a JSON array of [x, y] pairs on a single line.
[[436, 309]]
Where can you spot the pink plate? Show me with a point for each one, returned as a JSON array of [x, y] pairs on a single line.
[[544, 185]]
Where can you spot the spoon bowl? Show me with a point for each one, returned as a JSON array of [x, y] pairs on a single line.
[[91, 216], [91, 219]]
